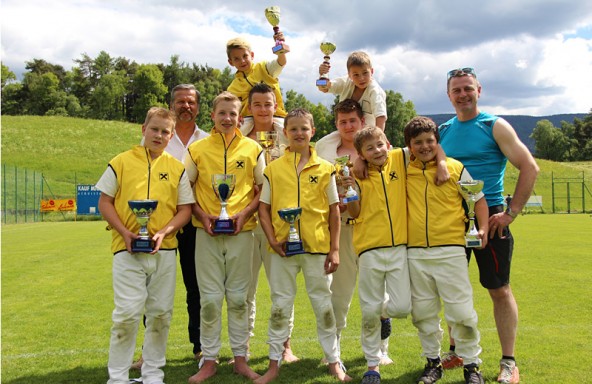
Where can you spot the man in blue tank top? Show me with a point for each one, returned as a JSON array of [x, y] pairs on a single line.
[[484, 143]]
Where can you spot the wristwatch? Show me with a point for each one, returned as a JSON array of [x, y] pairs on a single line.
[[511, 213]]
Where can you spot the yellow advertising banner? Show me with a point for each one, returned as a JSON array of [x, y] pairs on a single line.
[[53, 205]]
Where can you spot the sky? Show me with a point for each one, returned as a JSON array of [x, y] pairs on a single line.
[[532, 57]]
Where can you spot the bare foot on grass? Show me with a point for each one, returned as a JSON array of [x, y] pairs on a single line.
[[207, 370], [338, 373], [242, 368]]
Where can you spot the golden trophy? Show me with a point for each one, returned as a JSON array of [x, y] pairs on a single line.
[[269, 141], [327, 48], [272, 14], [342, 164]]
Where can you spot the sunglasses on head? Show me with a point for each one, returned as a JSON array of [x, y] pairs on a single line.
[[461, 72]]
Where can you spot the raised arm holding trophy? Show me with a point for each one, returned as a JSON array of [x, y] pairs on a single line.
[[273, 16], [327, 48]]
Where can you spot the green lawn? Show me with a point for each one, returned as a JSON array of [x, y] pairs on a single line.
[[57, 302]]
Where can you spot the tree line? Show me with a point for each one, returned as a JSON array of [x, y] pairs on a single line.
[[108, 88]]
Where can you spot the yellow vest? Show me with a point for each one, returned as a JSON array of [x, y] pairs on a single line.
[[212, 155], [383, 207], [306, 190], [244, 81], [436, 214], [139, 177]]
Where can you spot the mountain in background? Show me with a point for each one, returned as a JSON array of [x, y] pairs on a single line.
[[524, 125]]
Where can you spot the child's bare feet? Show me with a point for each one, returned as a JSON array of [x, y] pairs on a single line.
[[288, 356], [272, 373], [242, 368], [336, 371], [207, 370]]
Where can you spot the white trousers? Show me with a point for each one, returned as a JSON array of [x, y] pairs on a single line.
[[283, 291], [261, 256], [344, 279], [379, 269], [223, 268], [446, 279], [142, 284]]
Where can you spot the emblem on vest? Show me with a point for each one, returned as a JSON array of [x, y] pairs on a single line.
[[240, 164], [313, 179], [393, 176], [163, 176]]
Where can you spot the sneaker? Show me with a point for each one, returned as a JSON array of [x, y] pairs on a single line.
[[385, 328], [431, 373], [473, 374], [451, 360], [509, 373]]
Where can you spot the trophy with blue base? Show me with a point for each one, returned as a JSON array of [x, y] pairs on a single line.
[[143, 209], [469, 190], [223, 185], [342, 164], [327, 48], [272, 14], [294, 245]]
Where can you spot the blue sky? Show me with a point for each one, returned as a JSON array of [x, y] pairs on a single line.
[[532, 56]]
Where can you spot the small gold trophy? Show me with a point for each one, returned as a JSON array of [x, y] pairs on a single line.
[[269, 141], [143, 209], [342, 164], [327, 48], [469, 190], [273, 16]]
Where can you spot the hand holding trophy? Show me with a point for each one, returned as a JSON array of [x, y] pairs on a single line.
[[327, 48], [342, 164], [223, 185], [143, 209], [469, 190], [273, 16]]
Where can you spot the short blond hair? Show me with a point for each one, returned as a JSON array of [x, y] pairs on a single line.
[[299, 112], [225, 96], [367, 133], [237, 42], [163, 113], [358, 59]]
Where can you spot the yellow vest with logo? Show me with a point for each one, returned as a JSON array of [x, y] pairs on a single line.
[[306, 190], [244, 81], [383, 207], [139, 177], [212, 155], [436, 214]]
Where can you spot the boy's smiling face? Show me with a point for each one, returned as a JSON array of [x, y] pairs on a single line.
[[299, 131], [374, 151], [241, 59], [361, 75], [424, 146], [157, 134], [263, 107], [226, 116]]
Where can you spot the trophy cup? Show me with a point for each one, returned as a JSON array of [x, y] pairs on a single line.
[[269, 141], [223, 185], [327, 48], [143, 209], [294, 244], [342, 164], [273, 16], [469, 190]]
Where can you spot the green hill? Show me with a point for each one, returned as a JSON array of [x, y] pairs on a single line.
[[68, 150]]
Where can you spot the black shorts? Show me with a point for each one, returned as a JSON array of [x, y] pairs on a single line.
[[495, 259]]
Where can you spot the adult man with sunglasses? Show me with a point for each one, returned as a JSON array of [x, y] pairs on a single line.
[[484, 143]]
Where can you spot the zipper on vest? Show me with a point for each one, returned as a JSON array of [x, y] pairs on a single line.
[[226, 149], [388, 208], [149, 172], [425, 197], [298, 183]]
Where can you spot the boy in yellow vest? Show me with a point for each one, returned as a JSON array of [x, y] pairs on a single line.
[[380, 238], [144, 283], [300, 178], [223, 261]]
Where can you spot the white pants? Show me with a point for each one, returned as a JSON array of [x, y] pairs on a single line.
[[380, 268], [344, 279], [446, 279], [261, 256], [223, 268], [142, 284], [283, 291]]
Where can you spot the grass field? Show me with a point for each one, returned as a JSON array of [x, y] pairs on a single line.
[[57, 302]]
